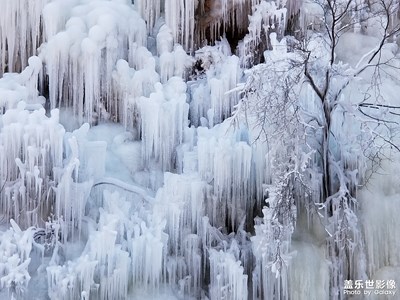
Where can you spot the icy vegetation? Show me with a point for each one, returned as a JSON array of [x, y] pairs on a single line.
[[244, 149]]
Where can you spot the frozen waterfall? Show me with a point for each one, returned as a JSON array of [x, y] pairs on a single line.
[[128, 169]]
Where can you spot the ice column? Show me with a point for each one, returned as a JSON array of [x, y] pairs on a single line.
[[180, 203], [163, 118], [150, 11], [227, 165], [227, 279], [80, 61], [180, 17], [215, 96], [20, 32], [30, 147], [130, 84], [103, 270]]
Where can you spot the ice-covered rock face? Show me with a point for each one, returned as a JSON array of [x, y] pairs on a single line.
[[172, 197], [215, 17], [201, 22], [221, 17]]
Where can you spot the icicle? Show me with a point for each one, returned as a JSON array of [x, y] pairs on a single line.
[[20, 33], [179, 16], [150, 11], [223, 74], [95, 38], [130, 85], [72, 192], [30, 148], [228, 166], [147, 258], [70, 281], [172, 62], [162, 122], [227, 279]]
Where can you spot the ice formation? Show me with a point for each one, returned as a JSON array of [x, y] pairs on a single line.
[[214, 95], [267, 17], [17, 87], [80, 58], [20, 33], [31, 146], [187, 196], [383, 211], [16, 246], [227, 280]]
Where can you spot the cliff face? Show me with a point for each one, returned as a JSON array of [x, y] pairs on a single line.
[[216, 18]]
